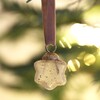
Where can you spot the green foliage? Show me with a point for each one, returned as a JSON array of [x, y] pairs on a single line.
[[31, 18]]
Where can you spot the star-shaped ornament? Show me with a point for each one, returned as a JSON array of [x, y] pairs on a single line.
[[50, 71]]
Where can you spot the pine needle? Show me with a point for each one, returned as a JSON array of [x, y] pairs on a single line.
[[28, 1]]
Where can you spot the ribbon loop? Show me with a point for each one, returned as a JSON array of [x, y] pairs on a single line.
[[49, 21], [51, 48]]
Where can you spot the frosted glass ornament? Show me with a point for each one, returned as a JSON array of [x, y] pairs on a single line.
[[50, 71]]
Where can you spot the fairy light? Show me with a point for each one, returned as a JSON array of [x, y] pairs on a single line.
[[89, 59], [73, 65], [67, 42], [61, 43]]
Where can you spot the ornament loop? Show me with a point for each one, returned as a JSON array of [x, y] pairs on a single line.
[[50, 48], [49, 21]]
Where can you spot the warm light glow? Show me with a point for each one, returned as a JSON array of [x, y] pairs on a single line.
[[86, 35], [73, 65], [89, 59], [9, 78], [67, 41], [22, 50], [81, 34], [61, 43], [98, 51], [12, 94]]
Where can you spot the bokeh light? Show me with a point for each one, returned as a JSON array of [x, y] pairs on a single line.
[[89, 59], [73, 65], [86, 35]]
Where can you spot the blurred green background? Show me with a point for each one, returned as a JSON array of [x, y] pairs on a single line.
[[22, 43]]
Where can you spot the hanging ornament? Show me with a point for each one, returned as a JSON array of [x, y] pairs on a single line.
[[50, 71]]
